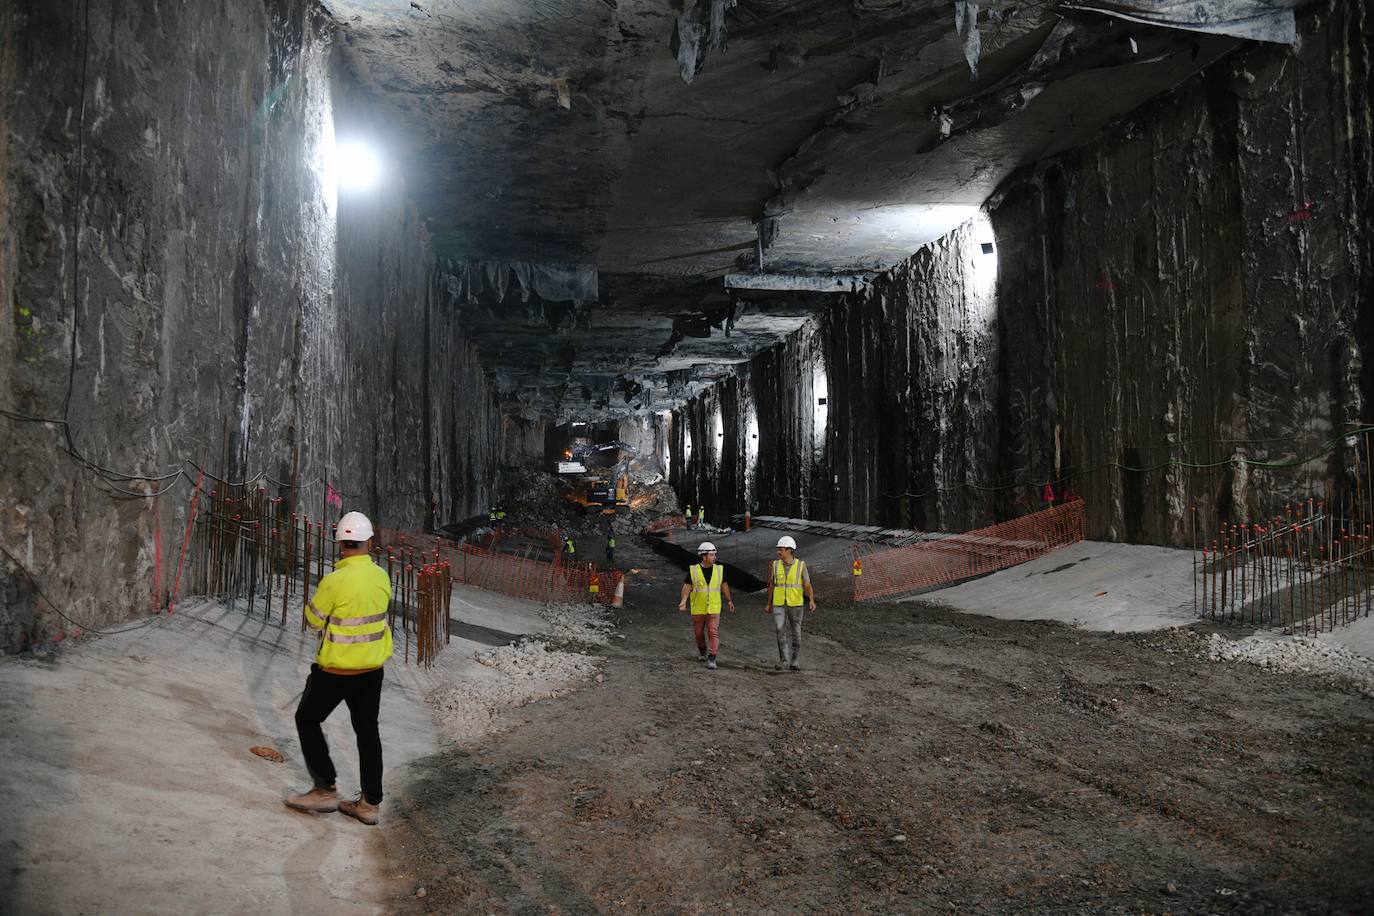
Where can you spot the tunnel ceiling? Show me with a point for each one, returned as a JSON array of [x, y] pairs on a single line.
[[837, 137]]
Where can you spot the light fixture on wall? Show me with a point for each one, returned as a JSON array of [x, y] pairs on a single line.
[[982, 264]]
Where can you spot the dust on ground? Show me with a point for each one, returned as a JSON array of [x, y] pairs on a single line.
[[924, 760]]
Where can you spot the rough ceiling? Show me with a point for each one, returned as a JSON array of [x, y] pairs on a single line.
[[829, 136]]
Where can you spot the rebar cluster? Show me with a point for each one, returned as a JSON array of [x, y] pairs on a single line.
[[249, 547]]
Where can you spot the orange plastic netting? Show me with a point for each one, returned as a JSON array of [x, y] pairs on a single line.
[[943, 560]]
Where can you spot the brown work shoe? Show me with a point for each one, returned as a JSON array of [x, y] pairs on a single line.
[[316, 801], [361, 808]]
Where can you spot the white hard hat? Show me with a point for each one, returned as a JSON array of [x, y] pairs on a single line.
[[706, 547], [786, 541], [354, 526]]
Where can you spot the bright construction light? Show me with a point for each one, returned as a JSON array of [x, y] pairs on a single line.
[[356, 166], [983, 266]]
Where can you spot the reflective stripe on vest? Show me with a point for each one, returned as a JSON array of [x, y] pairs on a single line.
[[787, 584], [706, 595], [351, 638]]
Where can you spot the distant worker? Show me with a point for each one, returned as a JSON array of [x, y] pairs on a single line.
[[568, 546], [701, 515], [788, 582], [687, 516], [491, 516], [501, 512], [610, 548], [704, 585], [349, 609]]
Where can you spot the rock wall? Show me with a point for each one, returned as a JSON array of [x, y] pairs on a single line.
[[186, 289], [1194, 287], [522, 443]]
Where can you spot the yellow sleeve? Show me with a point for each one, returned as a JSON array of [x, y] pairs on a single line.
[[318, 608]]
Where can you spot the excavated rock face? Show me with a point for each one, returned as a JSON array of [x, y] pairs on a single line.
[[1192, 287], [183, 285]]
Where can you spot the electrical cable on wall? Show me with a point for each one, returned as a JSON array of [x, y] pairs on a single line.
[[38, 589]]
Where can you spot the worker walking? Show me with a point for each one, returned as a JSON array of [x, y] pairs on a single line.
[[349, 609], [701, 515], [704, 585], [610, 548], [788, 582]]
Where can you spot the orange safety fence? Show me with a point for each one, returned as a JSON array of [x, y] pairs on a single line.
[[555, 579], [536, 580], [941, 561]]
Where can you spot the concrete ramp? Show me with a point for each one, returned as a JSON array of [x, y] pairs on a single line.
[[1123, 588]]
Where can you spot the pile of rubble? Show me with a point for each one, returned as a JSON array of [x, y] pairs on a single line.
[[581, 624], [524, 672], [1295, 655], [537, 499]]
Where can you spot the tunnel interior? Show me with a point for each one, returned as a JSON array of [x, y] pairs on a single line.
[[921, 265]]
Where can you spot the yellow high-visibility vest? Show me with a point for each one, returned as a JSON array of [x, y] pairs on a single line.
[[787, 583], [350, 608], [706, 594]]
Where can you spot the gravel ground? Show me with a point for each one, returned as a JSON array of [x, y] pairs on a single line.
[[923, 761], [1296, 655]]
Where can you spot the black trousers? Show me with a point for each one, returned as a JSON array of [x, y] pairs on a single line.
[[323, 693]]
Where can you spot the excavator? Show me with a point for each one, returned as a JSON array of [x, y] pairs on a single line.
[[606, 485]]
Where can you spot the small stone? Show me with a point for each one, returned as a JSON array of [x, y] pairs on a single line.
[[600, 678], [1171, 888], [421, 892], [899, 838]]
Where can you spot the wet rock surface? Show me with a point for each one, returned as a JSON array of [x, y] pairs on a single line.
[[1129, 319], [922, 761], [187, 289]]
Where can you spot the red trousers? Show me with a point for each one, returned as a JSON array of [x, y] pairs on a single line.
[[706, 628]]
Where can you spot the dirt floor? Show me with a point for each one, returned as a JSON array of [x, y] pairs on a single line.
[[924, 760]]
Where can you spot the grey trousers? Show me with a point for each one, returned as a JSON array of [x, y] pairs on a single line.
[[787, 621]]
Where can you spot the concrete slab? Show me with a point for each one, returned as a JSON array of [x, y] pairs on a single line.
[[1121, 588], [1358, 637], [127, 758], [495, 611]]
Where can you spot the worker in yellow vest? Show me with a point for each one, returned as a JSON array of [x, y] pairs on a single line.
[[705, 585], [349, 611], [687, 516], [701, 515], [789, 583]]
